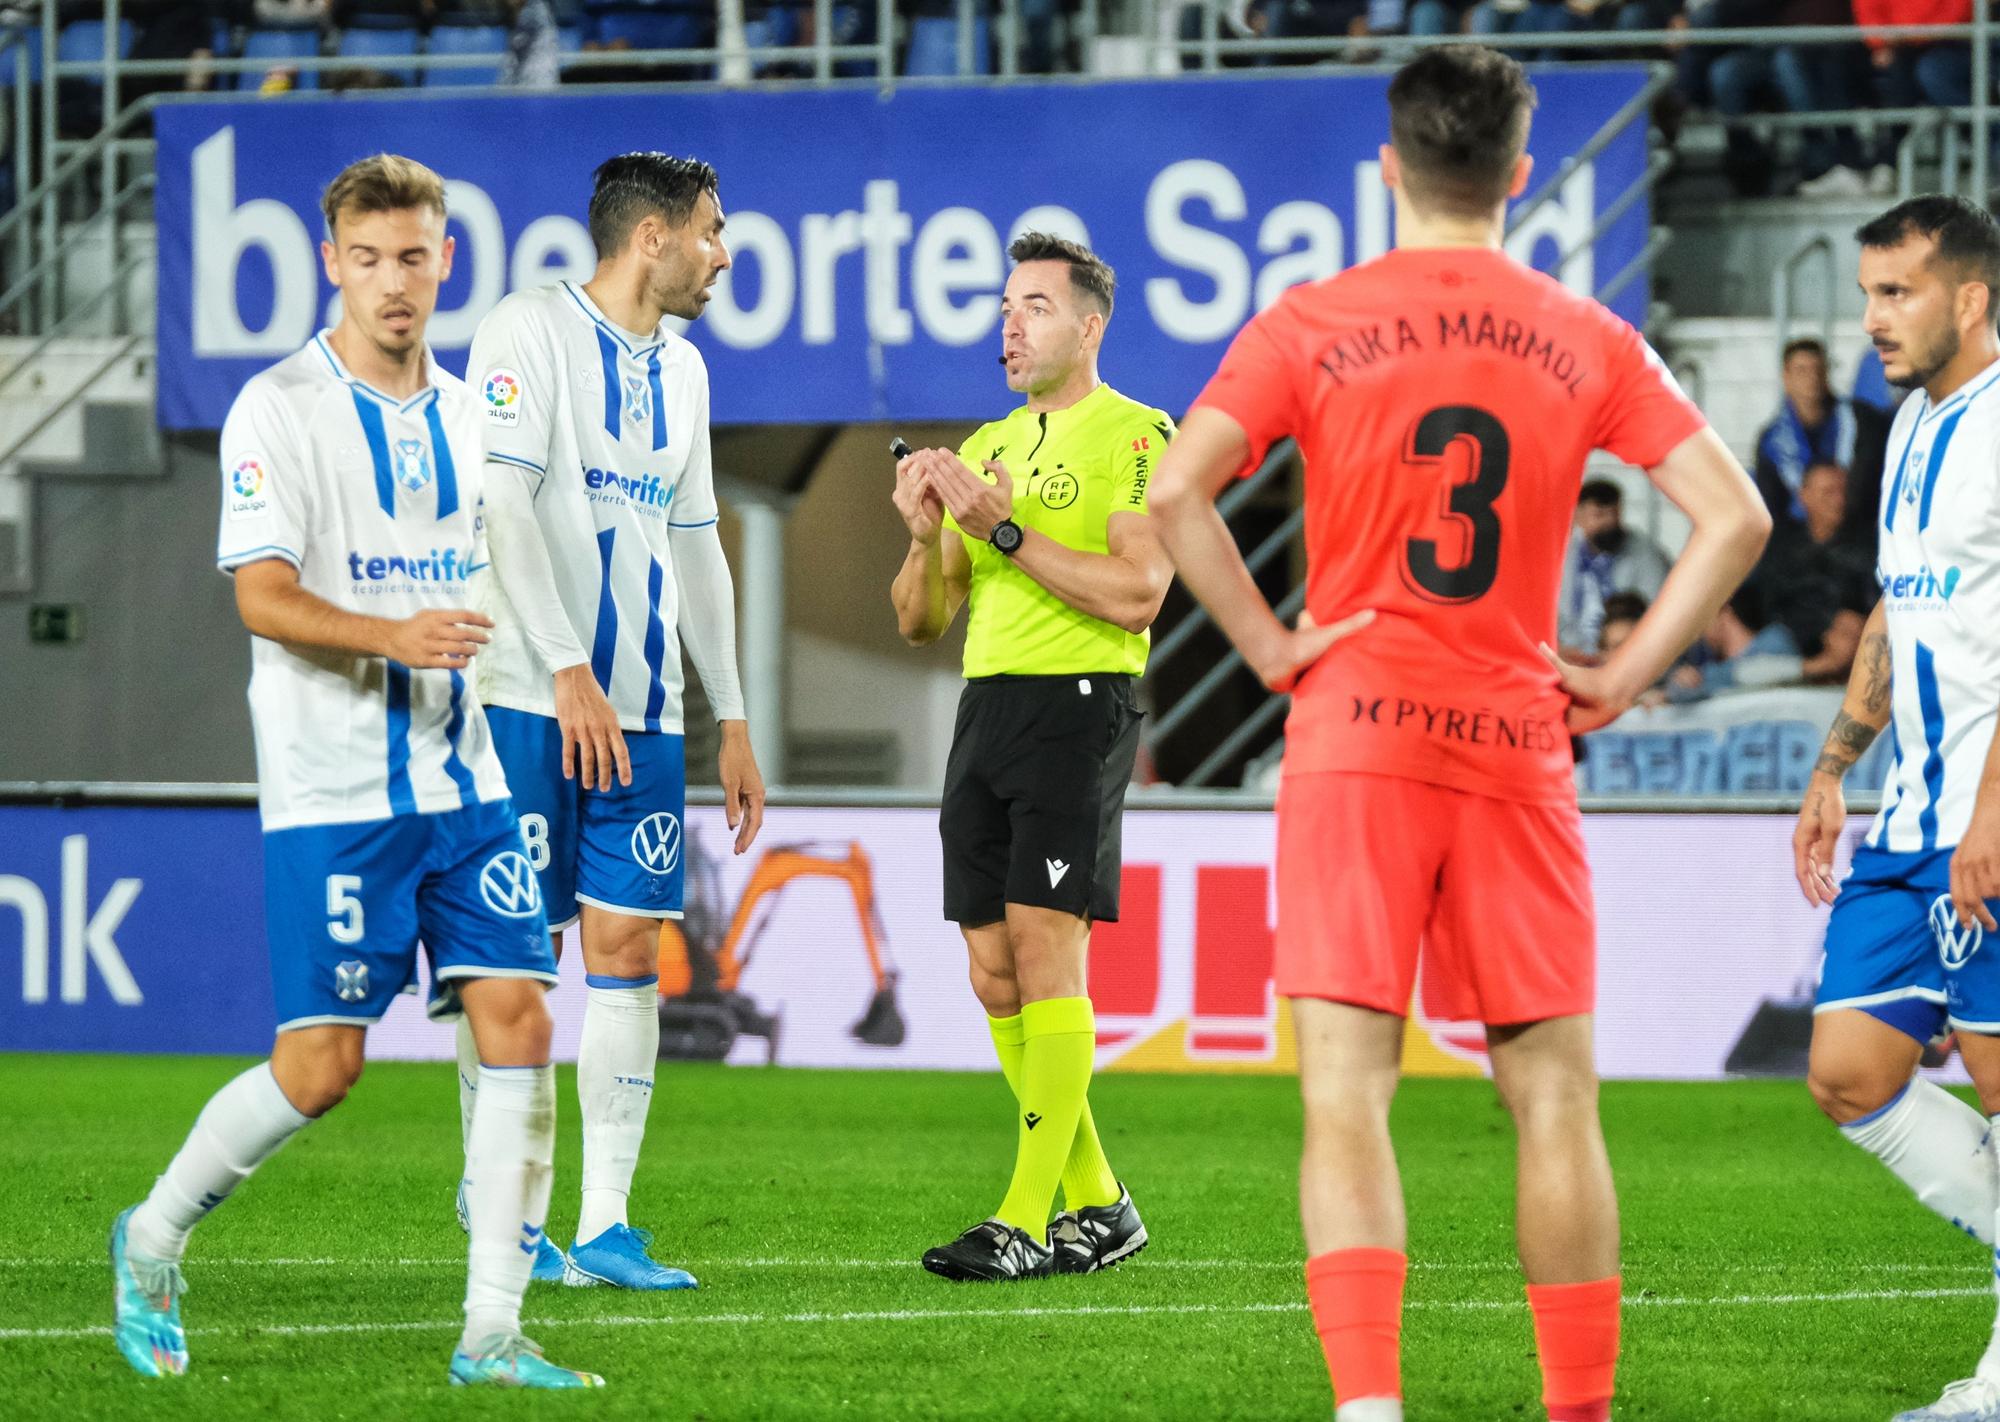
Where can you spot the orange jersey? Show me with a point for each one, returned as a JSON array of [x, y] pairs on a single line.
[[1445, 401]]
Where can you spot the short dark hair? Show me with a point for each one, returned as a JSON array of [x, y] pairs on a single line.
[[1803, 345], [1458, 120], [1601, 491], [1089, 274], [635, 186], [1967, 237], [1625, 607]]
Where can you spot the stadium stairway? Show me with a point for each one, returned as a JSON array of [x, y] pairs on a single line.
[[89, 395]]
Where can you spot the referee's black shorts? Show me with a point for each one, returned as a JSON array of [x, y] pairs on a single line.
[[1034, 793]]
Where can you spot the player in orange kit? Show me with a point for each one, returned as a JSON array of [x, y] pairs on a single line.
[[1445, 398]]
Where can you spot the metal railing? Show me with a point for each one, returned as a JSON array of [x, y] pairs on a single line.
[[34, 228], [1183, 711], [1820, 246]]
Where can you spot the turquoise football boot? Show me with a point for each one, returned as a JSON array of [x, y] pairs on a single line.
[[147, 1294], [511, 1360]]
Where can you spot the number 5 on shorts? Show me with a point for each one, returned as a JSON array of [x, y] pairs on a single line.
[[345, 923]]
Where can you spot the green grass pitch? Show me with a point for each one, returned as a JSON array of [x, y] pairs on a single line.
[[1771, 1271]]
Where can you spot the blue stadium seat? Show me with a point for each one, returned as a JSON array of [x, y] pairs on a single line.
[[84, 40], [279, 48], [934, 46], [382, 44], [569, 39], [653, 28], [31, 44], [465, 39]]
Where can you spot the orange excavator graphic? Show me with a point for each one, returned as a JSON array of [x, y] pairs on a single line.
[[703, 1009]]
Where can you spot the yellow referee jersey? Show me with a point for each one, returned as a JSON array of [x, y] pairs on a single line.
[[1072, 470]]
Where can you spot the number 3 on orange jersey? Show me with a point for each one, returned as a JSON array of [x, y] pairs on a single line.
[[1468, 503]]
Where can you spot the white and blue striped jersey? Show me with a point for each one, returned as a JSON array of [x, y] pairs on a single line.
[[613, 432], [1939, 566], [375, 501]]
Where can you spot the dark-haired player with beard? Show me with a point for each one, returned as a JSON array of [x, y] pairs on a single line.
[[1446, 398], [601, 515], [1903, 946], [1038, 521]]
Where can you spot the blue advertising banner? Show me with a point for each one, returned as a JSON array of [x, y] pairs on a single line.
[[140, 930], [869, 228], [1756, 743]]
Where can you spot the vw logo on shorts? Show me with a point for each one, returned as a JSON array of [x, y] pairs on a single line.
[[1956, 942], [656, 843], [507, 883]]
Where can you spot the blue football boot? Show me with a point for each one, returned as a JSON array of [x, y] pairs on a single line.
[[618, 1257], [550, 1265], [147, 1293]]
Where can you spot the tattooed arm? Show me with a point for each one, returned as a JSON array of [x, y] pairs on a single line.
[[1862, 715]]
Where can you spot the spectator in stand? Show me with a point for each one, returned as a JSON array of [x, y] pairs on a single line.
[[291, 14], [1872, 387], [1622, 612], [1916, 73], [1604, 558], [1532, 17], [172, 29], [1819, 586], [534, 50], [1815, 426], [1743, 649], [1793, 78], [384, 14]]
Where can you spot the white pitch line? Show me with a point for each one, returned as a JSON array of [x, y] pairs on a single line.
[[932, 1315], [1151, 1265]]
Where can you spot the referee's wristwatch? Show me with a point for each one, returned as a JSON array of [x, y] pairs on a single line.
[[1006, 537]]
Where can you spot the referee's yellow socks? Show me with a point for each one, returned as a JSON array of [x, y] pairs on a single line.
[[1059, 1037], [1086, 1175]]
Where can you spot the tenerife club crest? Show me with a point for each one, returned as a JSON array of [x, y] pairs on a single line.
[[411, 464], [638, 401]]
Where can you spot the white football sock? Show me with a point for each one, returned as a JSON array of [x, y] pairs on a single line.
[[1989, 1364], [510, 1165], [239, 1129], [1370, 1409], [1939, 1147], [468, 1078], [615, 1063]]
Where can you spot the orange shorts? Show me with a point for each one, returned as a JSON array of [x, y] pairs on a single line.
[[1497, 894]]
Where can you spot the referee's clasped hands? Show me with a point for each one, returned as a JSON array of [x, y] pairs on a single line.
[[930, 481]]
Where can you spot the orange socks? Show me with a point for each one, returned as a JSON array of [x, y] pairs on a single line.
[[1357, 1306], [1576, 1336]]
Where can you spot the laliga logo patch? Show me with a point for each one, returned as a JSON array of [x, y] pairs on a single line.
[[245, 496], [656, 843], [502, 391], [507, 883], [1956, 942]]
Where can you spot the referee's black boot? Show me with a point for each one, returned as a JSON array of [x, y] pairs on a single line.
[[1097, 1236], [992, 1251]]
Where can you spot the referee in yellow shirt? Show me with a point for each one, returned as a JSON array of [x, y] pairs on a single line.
[[1040, 521]]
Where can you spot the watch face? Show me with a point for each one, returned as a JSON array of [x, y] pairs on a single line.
[[1006, 535]]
